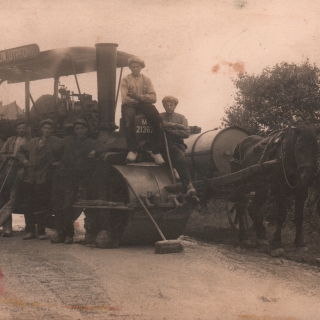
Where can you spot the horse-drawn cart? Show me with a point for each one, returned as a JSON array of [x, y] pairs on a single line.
[[282, 164]]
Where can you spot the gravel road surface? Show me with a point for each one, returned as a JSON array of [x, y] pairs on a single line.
[[39, 280]]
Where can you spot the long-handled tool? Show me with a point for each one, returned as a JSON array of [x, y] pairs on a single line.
[[3, 164], [169, 158], [5, 179], [164, 246], [119, 83], [4, 213]]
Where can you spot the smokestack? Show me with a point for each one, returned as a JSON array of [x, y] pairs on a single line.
[[106, 56]]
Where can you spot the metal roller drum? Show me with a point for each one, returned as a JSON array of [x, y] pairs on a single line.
[[148, 181]]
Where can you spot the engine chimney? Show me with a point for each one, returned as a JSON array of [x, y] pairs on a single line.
[[106, 56]]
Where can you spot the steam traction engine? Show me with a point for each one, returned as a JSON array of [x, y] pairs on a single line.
[[118, 211]]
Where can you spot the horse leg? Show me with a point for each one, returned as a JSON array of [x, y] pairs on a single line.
[[300, 198], [243, 232], [254, 210], [276, 247]]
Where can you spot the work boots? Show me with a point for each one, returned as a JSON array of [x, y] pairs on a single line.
[[158, 159], [7, 227], [131, 157], [29, 236]]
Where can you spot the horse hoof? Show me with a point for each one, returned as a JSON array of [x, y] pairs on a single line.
[[245, 243], [262, 242], [303, 249], [277, 252]]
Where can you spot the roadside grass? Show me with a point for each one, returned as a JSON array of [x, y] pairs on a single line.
[[212, 226]]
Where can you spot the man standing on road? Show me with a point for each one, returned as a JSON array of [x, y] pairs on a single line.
[[74, 171], [138, 95], [33, 180], [176, 129], [9, 166]]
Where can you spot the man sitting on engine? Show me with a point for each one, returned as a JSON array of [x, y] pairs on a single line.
[[138, 94], [176, 129]]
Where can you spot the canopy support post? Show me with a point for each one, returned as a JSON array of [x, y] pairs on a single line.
[[27, 98], [55, 94]]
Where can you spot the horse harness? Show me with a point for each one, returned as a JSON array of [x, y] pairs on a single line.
[[266, 146]]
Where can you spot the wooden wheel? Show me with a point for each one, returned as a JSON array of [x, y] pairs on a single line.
[[233, 216]]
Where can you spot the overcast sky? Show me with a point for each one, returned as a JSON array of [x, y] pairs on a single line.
[[192, 49]]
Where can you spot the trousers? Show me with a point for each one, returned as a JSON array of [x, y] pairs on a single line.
[[7, 208], [63, 196], [179, 162], [152, 114], [9, 195], [34, 201]]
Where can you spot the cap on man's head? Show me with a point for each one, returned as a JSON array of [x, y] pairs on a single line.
[[136, 60], [46, 121], [20, 121], [170, 99], [81, 121]]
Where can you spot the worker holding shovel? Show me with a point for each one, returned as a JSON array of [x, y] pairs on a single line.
[[176, 129], [9, 167]]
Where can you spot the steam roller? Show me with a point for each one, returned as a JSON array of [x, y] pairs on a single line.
[[114, 209]]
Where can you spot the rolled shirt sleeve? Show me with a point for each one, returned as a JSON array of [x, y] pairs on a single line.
[[125, 89], [179, 119], [141, 85], [150, 95]]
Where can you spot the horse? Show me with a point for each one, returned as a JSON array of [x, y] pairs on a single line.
[[295, 148]]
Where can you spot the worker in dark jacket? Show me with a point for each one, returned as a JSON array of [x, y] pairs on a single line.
[[33, 185], [9, 166], [74, 171], [176, 129]]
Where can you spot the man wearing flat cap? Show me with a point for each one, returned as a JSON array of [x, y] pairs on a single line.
[[176, 129], [33, 182], [138, 95], [9, 166], [75, 170]]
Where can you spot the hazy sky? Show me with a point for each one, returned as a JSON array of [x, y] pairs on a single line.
[[192, 49]]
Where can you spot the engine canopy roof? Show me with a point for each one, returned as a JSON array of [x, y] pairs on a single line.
[[27, 62]]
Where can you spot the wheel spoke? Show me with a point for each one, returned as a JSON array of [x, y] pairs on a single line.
[[236, 219], [232, 208]]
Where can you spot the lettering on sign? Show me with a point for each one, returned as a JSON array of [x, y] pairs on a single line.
[[19, 53], [142, 126], [144, 129]]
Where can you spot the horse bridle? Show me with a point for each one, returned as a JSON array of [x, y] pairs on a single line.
[[299, 166]]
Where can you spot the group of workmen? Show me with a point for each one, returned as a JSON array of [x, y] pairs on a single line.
[[35, 172]]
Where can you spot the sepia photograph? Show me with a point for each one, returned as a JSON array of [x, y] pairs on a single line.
[[160, 160]]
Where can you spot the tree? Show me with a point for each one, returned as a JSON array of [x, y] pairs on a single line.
[[265, 102]]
